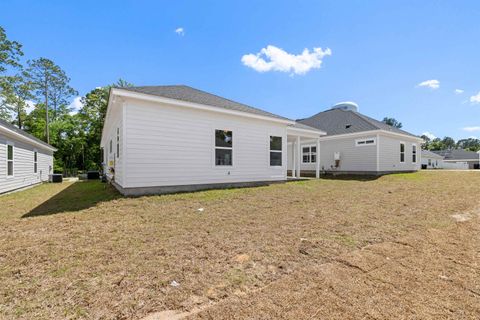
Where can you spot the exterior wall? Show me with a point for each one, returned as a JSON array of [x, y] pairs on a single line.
[[111, 158], [173, 146], [23, 166], [390, 154], [435, 163], [456, 165]]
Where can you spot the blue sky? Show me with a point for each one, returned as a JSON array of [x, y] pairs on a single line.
[[380, 52]]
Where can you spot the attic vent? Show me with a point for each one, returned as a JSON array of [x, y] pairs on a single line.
[[348, 126]]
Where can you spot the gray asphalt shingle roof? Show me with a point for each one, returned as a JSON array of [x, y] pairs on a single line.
[[430, 154], [457, 154], [10, 126], [338, 121], [189, 94]]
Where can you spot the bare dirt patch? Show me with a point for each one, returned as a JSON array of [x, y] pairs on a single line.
[[79, 251]]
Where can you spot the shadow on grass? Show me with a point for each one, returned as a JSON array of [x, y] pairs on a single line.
[[354, 177], [76, 197]]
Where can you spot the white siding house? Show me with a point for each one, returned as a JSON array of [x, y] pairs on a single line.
[[431, 160], [24, 159], [176, 138], [357, 144]]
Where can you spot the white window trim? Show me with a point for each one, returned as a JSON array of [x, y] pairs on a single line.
[[414, 146], [404, 151], [35, 151], [224, 148], [364, 140], [309, 146], [9, 143], [277, 151]]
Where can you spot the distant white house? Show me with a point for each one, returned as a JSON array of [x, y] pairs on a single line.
[[431, 160], [455, 158], [358, 144], [24, 159], [160, 139]]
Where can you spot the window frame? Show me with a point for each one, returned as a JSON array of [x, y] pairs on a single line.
[[35, 161], [402, 153], [110, 147], [363, 142], [414, 153], [310, 153], [224, 166], [270, 151], [10, 144]]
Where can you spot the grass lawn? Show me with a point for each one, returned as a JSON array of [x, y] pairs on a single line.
[[80, 250]]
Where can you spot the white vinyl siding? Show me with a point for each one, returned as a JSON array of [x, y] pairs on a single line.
[[170, 145], [352, 158], [23, 164], [114, 132], [390, 154]]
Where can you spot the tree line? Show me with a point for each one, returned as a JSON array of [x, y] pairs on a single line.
[[43, 88]]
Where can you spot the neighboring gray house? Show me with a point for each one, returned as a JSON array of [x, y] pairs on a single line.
[[470, 158], [24, 159], [358, 144], [431, 160]]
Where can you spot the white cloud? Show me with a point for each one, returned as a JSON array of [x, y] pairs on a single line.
[[471, 129], [76, 105], [30, 106], [430, 135], [272, 58], [459, 91], [432, 84], [180, 31], [475, 98]]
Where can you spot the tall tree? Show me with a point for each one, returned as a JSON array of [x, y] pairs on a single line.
[[10, 52], [92, 116], [60, 92], [15, 92], [392, 122], [50, 83], [448, 143]]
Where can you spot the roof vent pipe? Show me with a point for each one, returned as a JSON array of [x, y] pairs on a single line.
[[347, 106]]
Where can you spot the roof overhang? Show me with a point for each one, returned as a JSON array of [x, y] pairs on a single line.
[[305, 132], [21, 137], [372, 132], [193, 105]]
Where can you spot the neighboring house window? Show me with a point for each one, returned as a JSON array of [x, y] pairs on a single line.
[[309, 154], [110, 146], [275, 151], [118, 142], [35, 161], [414, 153], [223, 148], [430, 162], [402, 152], [436, 163], [10, 160], [365, 142]]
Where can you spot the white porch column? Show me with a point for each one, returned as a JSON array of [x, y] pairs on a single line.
[[294, 163], [317, 171], [299, 156]]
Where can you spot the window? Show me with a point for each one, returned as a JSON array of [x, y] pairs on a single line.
[[275, 151], [402, 152], [414, 153], [35, 162], [118, 142], [110, 146], [309, 154], [365, 142], [430, 162], [223, 148], [9, 160]]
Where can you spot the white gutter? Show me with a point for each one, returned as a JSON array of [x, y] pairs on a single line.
[[371, 132], [24, 138]]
